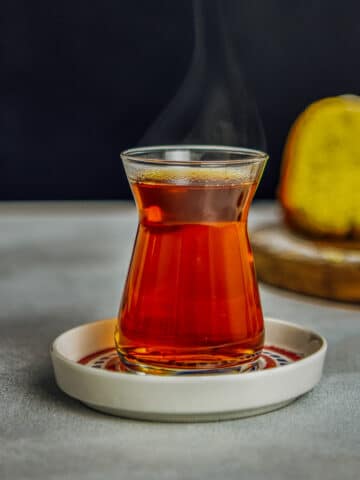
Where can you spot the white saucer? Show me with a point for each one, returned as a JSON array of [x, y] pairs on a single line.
[[294, 355]]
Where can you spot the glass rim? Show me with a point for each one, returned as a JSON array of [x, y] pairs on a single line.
[[248, 155]]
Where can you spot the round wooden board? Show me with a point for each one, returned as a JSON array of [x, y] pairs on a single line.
[[328, 269]]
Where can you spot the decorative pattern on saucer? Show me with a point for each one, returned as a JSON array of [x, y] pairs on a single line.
[[271, 357]]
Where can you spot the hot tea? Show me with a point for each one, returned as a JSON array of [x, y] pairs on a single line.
[[191, 300]]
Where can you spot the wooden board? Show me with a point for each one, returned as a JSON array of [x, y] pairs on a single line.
[[328, 269]]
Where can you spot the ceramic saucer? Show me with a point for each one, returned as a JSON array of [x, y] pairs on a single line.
[[87, 368]]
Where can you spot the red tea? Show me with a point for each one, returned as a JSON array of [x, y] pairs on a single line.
[[191, 300]]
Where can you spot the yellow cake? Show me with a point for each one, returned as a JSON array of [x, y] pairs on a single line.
[[320, 180]]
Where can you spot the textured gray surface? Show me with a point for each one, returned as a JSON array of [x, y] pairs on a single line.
[[62, 265]]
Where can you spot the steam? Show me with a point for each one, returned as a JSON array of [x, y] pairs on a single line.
[[212, 106]]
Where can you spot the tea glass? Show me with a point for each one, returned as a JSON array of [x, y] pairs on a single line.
[[191, 301]]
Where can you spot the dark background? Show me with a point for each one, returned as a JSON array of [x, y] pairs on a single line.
[[82, 80]]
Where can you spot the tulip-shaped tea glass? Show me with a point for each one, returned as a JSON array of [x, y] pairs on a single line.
[[191, 302]]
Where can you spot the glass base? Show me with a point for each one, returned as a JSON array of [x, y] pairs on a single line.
[[202, 366]]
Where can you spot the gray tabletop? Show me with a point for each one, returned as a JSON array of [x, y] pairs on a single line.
[[65, 264]]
